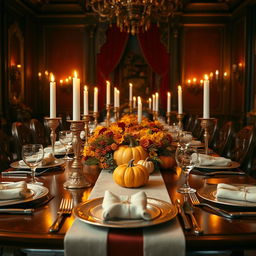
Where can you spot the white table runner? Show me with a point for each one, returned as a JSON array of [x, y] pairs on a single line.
[[167, 239]]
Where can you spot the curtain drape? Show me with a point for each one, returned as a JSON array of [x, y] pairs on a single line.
[[157, 57], [108, 58]]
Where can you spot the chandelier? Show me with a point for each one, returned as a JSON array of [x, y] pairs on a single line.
[[133, 16]]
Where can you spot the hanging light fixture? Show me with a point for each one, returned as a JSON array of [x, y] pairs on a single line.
[[133, 16]]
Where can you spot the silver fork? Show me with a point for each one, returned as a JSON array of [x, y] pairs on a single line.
[[195, 201], [65, 209]]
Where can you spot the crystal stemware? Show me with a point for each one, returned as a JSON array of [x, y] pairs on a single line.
[[66, 138], [187, 159], [32, 155]]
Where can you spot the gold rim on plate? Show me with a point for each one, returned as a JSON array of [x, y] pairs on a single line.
[[57, 162], [37, 192], [91, 213]]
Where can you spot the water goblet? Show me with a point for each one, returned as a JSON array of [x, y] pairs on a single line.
[[66, 138], [185, 138], [186, 158], [32, 155]]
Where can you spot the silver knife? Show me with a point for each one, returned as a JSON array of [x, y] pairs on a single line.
[[218, 173], [187, 225], [242, 214], [16, 211]]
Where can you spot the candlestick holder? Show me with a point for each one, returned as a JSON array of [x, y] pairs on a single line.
[[95, 116], [205, 124], [168, 115], [76, 177], [86, 119], [108, 115], [130, 106], [116, 113], [53, 123], [180, 119]]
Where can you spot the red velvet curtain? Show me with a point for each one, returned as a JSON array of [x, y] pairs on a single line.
[[157, 57], [108, 58]]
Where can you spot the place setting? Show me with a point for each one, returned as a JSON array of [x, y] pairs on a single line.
[[133, 211]]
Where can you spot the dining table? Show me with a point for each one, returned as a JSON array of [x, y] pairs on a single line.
[[219, 233]]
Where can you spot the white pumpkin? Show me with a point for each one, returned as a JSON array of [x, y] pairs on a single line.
[[148, 164]]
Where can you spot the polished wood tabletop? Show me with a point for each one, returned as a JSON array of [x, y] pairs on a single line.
[[32, 231]]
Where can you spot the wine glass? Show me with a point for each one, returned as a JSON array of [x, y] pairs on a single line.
[[185, 138], [32, 155], [186, 158], [66, 138]]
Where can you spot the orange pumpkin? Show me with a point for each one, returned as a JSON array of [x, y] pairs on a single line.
[[126, 153], [130, 175], [167, 162]]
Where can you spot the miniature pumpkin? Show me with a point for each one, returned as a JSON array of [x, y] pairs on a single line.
[[148, 164], [167, 162], [126, 153], [130, 175]]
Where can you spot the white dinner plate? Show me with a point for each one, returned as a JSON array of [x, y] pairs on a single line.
[[209, 193], [35, 192], [57, 162], [232, 165], [91, 213]]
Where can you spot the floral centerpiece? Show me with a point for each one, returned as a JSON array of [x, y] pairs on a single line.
[[106, 140]]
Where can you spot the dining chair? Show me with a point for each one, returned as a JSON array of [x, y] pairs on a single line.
[[213, 132], [5, 151], [197, 131], [242, 146], [38, 132], [21, 135], [221, 142]]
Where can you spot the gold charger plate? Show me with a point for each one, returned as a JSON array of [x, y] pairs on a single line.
[[209, 194], [35, 192], [91, 213], [233, 165], [57, 162]]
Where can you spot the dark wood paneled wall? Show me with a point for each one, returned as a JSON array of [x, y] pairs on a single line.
[[202, 43]]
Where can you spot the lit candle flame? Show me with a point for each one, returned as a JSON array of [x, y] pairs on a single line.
[[130, 84], [75, 74], [52, 77], [96, 89], [206, 77], [179, 88], [169, 94]]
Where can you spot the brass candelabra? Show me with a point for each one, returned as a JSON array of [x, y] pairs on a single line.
[[130, 106], [168, 116], [76, 177], [86, 119], [180, 119], [116, 113], [205, 124], [108, 115], [95, 116], [53, 123]]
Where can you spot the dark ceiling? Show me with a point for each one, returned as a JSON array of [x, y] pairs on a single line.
[[76, 7]]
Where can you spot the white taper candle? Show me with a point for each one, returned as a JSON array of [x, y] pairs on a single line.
[[76, 97], [180, 107], [52, 97], [168, 102], [95, 100], [206, 108], [86, 108]]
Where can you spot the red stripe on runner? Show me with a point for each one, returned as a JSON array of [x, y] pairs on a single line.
[[125, 242]]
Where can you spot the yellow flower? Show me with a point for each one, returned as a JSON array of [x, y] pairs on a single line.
[[152, 154]]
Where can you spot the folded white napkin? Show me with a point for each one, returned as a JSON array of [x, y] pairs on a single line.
[[206, 160], [195, 142], [238, 192], [125, 207], [48, 159], [13, 190]]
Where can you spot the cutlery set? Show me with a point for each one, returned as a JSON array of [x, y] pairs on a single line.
[[185, 210]]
